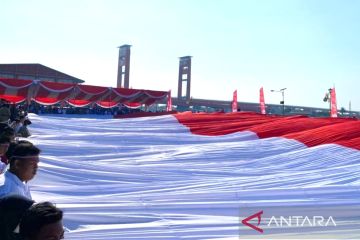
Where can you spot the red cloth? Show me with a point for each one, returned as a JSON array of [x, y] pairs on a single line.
[[310, 131]]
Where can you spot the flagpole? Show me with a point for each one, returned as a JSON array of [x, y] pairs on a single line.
[[330, 101], [349, 106]]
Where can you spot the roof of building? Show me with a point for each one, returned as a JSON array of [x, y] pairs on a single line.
[[36, 70]]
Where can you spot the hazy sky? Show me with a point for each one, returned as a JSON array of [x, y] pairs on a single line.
[[306, 46]]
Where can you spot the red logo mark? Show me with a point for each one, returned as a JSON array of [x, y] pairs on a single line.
[[256, 215]]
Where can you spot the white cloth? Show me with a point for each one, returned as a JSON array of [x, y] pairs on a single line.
[[10, 184]]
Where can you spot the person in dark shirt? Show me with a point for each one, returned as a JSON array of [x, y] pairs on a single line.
[[12, 208]]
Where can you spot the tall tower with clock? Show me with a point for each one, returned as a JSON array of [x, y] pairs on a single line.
[[184, 78], [123, 66]]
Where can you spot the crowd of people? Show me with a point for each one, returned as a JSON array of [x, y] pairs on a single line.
[[20, 217], [13, 118]]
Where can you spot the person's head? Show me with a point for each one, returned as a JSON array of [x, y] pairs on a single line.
[[12, 209], [24, 161], [42, 221], [8, 132], [12, 146], [27, 122], [4, 144]]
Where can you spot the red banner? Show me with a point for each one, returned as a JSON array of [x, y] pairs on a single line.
[[333, 104], [234, 104], [169, 102], [262, 101]]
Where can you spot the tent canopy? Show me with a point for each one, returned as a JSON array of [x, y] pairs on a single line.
[[49, 93]]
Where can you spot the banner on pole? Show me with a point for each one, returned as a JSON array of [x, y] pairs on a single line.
[[262, 101], [234, 104], [169, 102], [333, 103]]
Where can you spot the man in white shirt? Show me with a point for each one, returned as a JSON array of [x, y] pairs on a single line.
[[23, 167]]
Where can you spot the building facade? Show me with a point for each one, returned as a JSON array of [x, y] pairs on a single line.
[[35, 71]]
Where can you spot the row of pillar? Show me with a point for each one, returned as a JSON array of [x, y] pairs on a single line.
[[184, 78]]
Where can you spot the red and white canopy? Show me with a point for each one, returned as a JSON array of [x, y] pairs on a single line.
[[49, 93], [15, 91]]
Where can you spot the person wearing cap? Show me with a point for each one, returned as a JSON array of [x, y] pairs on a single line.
[[23, 167]]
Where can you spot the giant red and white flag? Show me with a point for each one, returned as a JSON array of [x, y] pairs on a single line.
[[200, 176], [333, 103], [262, 101], [234, 105]]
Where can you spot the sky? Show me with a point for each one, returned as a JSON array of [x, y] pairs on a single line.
[[306, 46]]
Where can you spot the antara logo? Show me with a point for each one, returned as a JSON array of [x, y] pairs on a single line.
[[256, 215]]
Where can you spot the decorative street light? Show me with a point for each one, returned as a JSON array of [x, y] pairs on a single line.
[[327, 98], [283, 98]]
